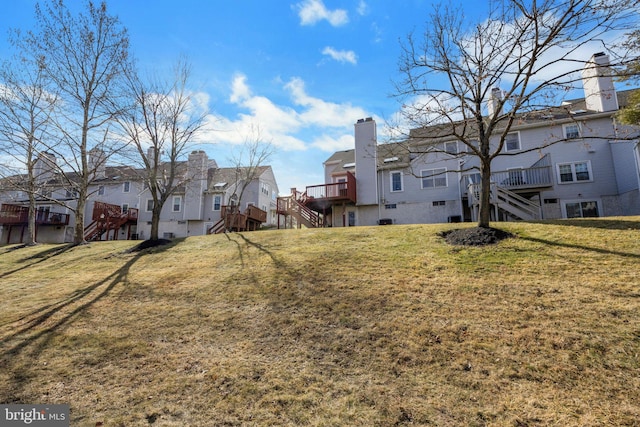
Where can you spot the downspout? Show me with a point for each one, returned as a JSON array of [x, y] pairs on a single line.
[[379, 192]]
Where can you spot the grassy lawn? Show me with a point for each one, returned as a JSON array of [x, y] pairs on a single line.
[[363, 326]]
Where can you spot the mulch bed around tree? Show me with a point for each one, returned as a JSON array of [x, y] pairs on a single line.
[[476, 236], [146, 244]]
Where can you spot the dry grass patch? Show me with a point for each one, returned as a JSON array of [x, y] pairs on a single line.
[[359, 326]]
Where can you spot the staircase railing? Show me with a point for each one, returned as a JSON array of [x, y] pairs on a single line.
[[516, 204], [294, 205], [510, 202]]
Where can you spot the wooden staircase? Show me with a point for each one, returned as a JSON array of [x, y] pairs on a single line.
[[107, 217], [510, 203], [294, 206], [231, 219]]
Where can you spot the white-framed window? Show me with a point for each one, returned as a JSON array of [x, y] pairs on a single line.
[[574, 172], [571, 130], [396, 181], [125, 207], [149, 205], [176, 205], [101, 190], [433, 178], [264, 188], [581, 209], [451, 147], [512, 141], [217, 202], [126, 186]]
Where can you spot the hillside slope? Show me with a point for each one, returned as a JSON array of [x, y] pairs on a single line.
[[363, 326]]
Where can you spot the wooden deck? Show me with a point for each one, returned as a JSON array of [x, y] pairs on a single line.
[[11, 214]]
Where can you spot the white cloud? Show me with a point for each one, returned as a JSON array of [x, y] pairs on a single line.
[[318, 112], [363, 8], [312, 11], [331, 144], [341, 55], [309, 123]]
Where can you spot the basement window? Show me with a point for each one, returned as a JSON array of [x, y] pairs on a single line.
[[439, 203], [390, 206]]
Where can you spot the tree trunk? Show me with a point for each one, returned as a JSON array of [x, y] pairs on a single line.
[[155, 221], [31, 225], [484, 214], [78, 235]]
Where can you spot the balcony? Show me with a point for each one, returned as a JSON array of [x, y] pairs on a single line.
[[19, 215], [322, 197], [520, 179]]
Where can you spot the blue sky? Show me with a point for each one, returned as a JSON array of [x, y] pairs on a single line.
[[303, 71]]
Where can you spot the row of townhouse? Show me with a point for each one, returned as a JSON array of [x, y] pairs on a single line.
[[570, 161], [119, 194]]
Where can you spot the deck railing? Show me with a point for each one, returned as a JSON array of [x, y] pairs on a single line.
[[16, 214], [336, 190]]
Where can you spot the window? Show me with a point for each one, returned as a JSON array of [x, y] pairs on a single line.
[[101, 190], [588, 209], [439, 203], [396, 181], [512, 141], [125, 207], [474, 144], [72, 194], [177, 204], [451, 147], [149, 205], [217, 201], [574, 172], [571, 131], [432, 178], [126, 186], [390, 206]]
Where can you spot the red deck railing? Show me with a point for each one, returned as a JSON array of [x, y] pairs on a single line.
[[336, 191], [16, 214]]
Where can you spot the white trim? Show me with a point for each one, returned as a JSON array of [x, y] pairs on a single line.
[[564, 131], [506, 144], [596, 200], [173, 204], [213, 205], [441, 173], [391, 174], [574, 179]]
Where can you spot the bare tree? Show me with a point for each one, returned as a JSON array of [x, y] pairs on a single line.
[[631, 72], [248, 162], [525, 50], [161, 127], [26, 106], [84, 58]]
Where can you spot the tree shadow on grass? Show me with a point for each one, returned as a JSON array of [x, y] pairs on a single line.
[[33, 335], [581, 247], [604, 223], [37, 258]]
